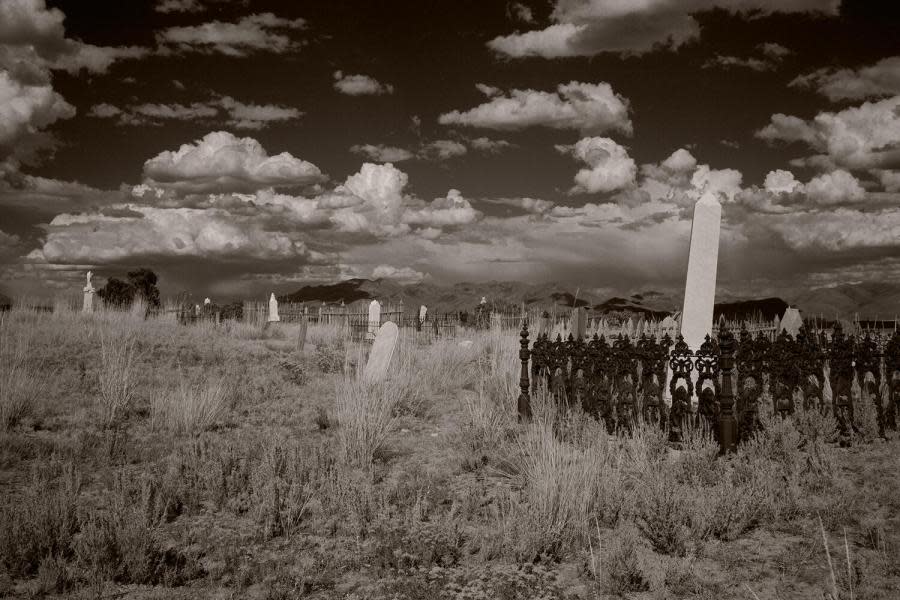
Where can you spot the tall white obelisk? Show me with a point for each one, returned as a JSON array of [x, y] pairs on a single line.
[[703, 259]]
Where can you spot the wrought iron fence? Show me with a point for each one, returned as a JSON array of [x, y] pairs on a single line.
[[620, 379]]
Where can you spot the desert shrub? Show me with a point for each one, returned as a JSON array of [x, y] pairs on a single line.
[[330, 358], [297, 372], [662, 510], [21, 380], [117, 376], [482, 429], [410, 544], [365, 414], [42, 521], [726, 509], [622, 569], [190, 407], [322, 419]]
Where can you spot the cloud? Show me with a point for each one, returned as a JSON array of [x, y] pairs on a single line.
[[405, 275], [589, 27], [382, 153], [863, 137], [222, 162], [257, 116], [442, 150], [360, 85], [610, 167], [488, 145], [534, 206], [239, 114], [178, 6], [754, 64], [724, 183], [839, 230], [520, 12], [262, 32], [880, 79], [586, 107], [836, 187], [780, 181], [27, 109], [34, 39], [773, 50], [449, 211]]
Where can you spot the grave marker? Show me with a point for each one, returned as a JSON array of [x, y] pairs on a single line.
[[700, 287], [579, 323], [383, 349], [88, 304], [301, 335], [791, 322], [273, 310], [374, 319], [423, 310]]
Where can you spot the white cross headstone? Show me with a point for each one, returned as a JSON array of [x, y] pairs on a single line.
[[703, 259], [273, 310], [88, 304], [382, 352], [374, 319], [792, 321]]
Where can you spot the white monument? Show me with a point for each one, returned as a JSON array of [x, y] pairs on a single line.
[[792, 321], [273, 310], [382, 352], [207, 302], [88, 304], [423, 310], [700, 288], [374, 319]]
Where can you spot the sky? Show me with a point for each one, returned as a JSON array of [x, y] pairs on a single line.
[[238, 148]]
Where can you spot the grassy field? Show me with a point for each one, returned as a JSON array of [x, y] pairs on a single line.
[[142, 459]]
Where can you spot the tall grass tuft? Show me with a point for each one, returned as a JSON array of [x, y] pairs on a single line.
[[117, 374], [20, 380], [191, 407], [366, 415]]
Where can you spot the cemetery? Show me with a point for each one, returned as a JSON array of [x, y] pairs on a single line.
[[376, 451]]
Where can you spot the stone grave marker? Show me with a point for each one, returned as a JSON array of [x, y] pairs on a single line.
[[88, 304], [579, 323], [791, 322], [383, 349], [703, 259], [423, 310], [273, 310], [301, 334], [374, 319]]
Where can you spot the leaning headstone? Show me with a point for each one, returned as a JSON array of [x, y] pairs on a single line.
[[383, 349], [301, 335], [273, 310], [791, 322], [579, 323], [374, 319], [88, 304], [703, 259]]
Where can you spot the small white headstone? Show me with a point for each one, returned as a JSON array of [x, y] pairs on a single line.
[[88, 304], [792, 321], [423, 310], [374, 319], [273, 310], [483, 300], [382, 352], [703, 259], [207, 302]]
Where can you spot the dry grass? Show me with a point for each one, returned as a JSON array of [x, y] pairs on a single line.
[[21, 380], [365, 415], [190, 407], [117, 376]]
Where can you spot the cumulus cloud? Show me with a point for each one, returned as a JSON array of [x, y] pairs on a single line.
[[863, 137], [836, 187], [382, 153], [839, 230], [724, 183], [773, 50], [588, 27], [534, 206], [485, 144], [780, 181], [609, 166], [521, 12], [586, 107], [873, 81], [178, 6], [360, 85], [256, 116], [237, 114], [405, 275], [262, 32], [27, 109], [449, 211], [222, 162], [679, 161]]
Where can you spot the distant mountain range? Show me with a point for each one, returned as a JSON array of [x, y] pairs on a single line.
[[868, 300]]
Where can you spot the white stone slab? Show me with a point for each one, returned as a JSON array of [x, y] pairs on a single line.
[[700, 287], [374, 319], [383, 349], [791, 322], [273, 310]]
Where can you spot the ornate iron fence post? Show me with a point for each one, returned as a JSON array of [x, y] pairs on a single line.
[[727, 423], [524, 355]]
